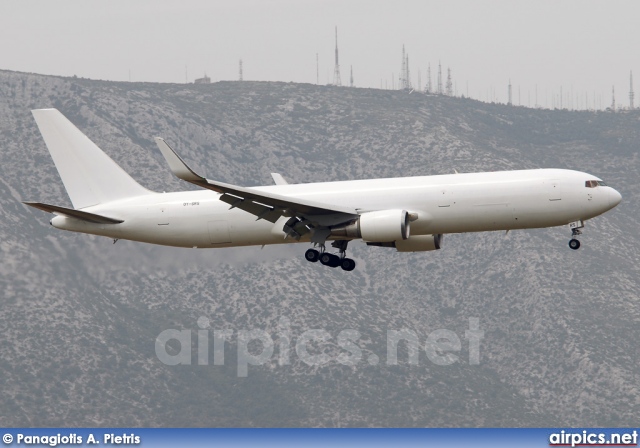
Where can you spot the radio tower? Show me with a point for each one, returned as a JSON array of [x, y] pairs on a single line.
[[613, 98], [427, 88], [449, 83], [631, 95], [510, 102], [351, 80], [240, 71], [336, 70], [403, 68], [405, 75], [439, 78], [402, 82]]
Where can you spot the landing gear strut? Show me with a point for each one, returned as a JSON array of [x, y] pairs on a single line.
[[332, 260], [575, 226]]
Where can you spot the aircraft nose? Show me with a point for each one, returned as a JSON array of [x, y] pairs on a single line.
[[614, 198]]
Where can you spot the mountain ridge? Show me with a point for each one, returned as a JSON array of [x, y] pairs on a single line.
[[80, 315]]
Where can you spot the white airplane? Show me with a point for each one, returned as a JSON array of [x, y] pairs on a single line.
[[407, 213]]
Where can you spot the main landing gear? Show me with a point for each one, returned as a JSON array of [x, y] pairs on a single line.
[[575, 226], [332, 260]]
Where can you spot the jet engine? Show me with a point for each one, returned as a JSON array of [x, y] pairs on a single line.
[[383, 226], [418, 243]]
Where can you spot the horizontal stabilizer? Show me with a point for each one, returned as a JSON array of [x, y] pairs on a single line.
[[77, 214]]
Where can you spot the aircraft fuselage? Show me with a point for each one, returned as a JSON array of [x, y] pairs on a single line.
[[453, 203]]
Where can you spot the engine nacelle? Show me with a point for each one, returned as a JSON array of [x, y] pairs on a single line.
[[383, 226], [419, 243]]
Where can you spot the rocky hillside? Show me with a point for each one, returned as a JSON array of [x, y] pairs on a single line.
[[79, 316]]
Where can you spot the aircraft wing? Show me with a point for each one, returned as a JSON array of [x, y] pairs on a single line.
[[304, 214]]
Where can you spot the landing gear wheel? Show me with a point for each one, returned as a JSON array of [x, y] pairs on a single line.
[[326, 258], [347, 264], [575, 227], [331, 260], [312, 255]]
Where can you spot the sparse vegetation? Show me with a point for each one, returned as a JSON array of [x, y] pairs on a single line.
[[79, 315]]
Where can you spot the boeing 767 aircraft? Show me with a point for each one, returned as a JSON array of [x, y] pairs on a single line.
[[407, 213]]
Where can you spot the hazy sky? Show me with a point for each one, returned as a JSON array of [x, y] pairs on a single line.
[[583, 46]]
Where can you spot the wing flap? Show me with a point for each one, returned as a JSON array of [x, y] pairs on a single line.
[[262, 211], [77, 214]]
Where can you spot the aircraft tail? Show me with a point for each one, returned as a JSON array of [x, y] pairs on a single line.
[[89, 175]]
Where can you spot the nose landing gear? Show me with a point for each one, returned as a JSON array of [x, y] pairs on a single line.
[[332, 260], [575, 226]]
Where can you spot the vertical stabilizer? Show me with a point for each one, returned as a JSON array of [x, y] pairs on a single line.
[[89, 175]]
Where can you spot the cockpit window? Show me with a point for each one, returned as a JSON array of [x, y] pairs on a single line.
[[602, 184], [594, 183]]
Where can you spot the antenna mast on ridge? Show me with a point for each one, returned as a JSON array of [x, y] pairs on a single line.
[[631, 94], [336, 70]]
